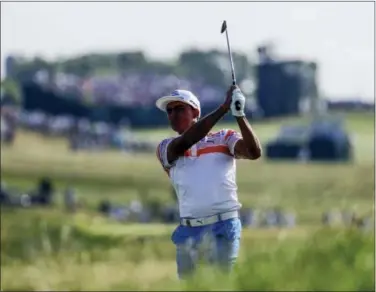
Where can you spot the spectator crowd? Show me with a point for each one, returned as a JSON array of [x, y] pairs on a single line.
[[80, 133], [127, 89]]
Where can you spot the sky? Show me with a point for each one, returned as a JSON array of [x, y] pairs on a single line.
[[339, 36]]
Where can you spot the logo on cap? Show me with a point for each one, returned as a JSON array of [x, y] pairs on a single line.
[[175, 93], [192, 102]]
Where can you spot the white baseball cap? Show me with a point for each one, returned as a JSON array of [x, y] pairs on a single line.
[[181, 95]]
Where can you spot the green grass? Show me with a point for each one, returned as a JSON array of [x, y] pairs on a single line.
[[49, 249]]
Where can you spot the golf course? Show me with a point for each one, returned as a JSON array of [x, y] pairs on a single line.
[[45, 249]]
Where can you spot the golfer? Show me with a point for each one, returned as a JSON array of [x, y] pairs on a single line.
[[201, 167]]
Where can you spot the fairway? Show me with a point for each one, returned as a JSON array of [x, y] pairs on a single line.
[[88, 252], [305, 188]]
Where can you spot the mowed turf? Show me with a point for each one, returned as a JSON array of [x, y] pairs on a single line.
[[86, 251], [307, 189]]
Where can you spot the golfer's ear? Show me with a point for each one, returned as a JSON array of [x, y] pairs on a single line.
[[196, 113]]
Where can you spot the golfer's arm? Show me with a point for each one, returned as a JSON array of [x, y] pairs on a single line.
[[195, 133], [249, 146]]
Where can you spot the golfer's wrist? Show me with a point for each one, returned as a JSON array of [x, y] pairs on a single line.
[[225, 108]]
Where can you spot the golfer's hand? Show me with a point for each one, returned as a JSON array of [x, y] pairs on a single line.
[[227, 104], [237, 103]]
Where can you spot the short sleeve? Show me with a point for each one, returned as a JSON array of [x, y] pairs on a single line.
[[230, 138], [162, 153]]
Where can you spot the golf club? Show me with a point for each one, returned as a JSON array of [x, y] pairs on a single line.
[[224, 29]]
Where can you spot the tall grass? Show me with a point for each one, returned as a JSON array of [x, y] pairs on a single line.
[[55, 252]]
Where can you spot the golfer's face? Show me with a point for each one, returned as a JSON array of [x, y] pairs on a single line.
[[180, 115]]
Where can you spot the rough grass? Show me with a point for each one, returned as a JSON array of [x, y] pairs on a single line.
[[50, 250]]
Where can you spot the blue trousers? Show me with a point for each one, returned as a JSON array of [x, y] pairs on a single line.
[[218, 243]]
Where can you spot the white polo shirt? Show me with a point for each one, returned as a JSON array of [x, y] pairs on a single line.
[[204, 178]]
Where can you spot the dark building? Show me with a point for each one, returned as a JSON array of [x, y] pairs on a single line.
[[285, 87], [10, 64]]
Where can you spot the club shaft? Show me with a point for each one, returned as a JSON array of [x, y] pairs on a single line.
[[231, 61]]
